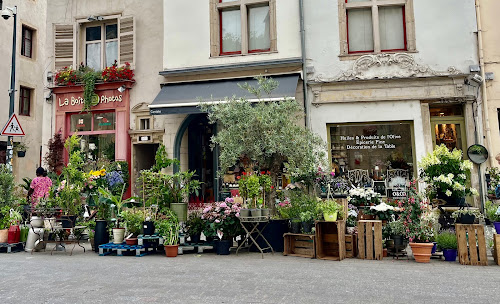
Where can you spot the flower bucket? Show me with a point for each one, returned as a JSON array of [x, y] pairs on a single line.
[[295, 227], [422, 251], [497, 226], [171, 250], [306, 227], [330, 217], [118, 234], [244, 212], [256, 212], [36, 222], [180, 209], [450, 255], [14, 234], [222, 247]]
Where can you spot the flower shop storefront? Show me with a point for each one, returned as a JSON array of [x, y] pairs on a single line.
[[104, 129]]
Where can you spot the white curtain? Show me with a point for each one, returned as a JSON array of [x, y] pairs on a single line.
[[231, 31], [93, 55], [391, 27], [360, 29], [111, 52], [258, 28]]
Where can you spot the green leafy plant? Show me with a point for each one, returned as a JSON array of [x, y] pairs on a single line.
[[396, 228], [7, 186], [168, 227], [267, 132], [331, 206], [195, 224], [116, 201], [133, 219], [90, 98], [307, 216], [490, 210], [447, 240]]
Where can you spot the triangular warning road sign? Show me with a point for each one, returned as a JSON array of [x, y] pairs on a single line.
[[12, 127]]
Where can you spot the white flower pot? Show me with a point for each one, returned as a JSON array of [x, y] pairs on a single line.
[[36, 222], [118, 235]]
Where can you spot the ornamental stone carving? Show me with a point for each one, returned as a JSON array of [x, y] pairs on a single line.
[[386, 66]]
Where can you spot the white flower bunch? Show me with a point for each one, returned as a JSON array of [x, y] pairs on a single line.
[[382, 207]]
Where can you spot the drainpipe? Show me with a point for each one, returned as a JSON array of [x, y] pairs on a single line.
[[303, 49], [483, 85]]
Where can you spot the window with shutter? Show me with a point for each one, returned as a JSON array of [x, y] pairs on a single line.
[[127, 40], [64, 43]]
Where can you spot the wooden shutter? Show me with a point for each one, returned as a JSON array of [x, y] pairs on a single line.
[[64, 45], [127, 40]]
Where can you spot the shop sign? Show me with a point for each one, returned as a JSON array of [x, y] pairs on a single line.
[[73, 101], [370, 142], [144, 138]]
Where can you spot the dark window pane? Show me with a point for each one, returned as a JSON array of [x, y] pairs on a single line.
[[104, 121], [24, 101], [81, 122], [93, 33], [111, 31]]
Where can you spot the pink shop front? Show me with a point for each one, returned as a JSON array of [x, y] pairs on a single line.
[[104, 129]]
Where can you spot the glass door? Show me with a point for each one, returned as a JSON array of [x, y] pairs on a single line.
[[449, 132]]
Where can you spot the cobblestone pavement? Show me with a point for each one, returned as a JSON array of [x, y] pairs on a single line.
[[246, 278]]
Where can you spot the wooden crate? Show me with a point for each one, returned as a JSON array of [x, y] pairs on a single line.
[[330, 240], [370, 240], [301, 245], [343, 203], [496, 248], [351, 245], [470, 239]]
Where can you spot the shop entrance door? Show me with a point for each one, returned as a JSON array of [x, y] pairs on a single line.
[[448, 127], [201, 157]]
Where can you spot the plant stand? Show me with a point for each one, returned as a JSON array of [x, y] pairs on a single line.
[[370, 240], [300, 245], [351, 245], [330, 240], [496, 248], [251, 226], [471, 244]]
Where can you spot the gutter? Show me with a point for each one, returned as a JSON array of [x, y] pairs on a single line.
[[483, 85], [304, 71]]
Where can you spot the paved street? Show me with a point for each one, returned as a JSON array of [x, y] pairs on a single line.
[[208, 278]]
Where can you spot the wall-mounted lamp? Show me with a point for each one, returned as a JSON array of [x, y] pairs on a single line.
[[50, 76], [121, 89]]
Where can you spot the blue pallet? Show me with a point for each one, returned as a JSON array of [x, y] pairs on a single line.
[[110, 248]]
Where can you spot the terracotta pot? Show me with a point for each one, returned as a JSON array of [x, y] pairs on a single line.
[[385, 252], [4, 235], [422, 251], [171, 250], [131, 241]]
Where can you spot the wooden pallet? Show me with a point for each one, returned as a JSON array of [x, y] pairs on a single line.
[[496, 248], [330, 240], [471, 241], [9, 247], [351, 245], [124, 249], [370, 240], [300, 245]]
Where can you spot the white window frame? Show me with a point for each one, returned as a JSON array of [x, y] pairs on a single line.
[[102, 41], [374, 5]]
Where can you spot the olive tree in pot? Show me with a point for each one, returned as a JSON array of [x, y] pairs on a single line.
[[269, 133]]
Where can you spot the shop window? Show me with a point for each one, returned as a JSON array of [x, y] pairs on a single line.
[[25, 95], [27, 41], [372, 26], [144, 124], [373, 148], [104, 121], [101, 45], [446, 110], [99, 146], [81, 122], [243, 27]]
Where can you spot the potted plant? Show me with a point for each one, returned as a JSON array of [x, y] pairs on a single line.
[[466, 216], [447, 175], [307, 220], [331, 210], [447, 241], [133, 219], [20, 148], [249, 187], [397, 233], [168, 227], [178, 187], [195, 226], [223, 218], [492, 212], [351, 221], [419, 233], [116, 201], [4, 224]]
